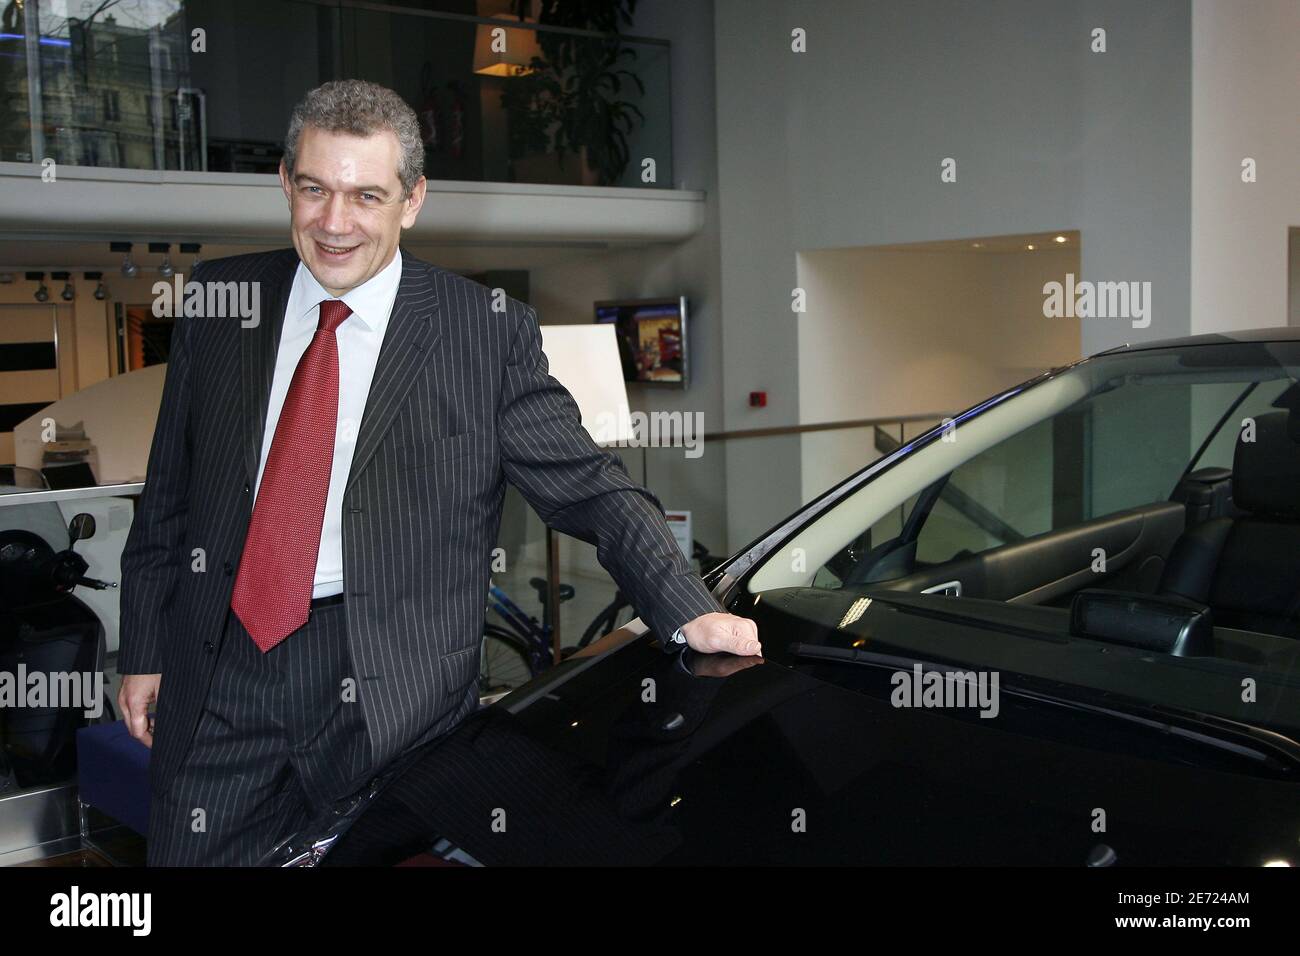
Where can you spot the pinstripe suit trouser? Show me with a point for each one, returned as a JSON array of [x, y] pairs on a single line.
[[278, 740]]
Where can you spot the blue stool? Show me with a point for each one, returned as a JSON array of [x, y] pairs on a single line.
[[112, 777]]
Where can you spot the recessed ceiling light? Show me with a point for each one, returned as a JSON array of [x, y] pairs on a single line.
[[1030, 247], [977, 245], [1061, 239]]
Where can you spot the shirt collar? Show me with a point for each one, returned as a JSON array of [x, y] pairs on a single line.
[[371, 302]]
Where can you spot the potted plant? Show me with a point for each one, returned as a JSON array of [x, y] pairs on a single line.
[[570, 101]]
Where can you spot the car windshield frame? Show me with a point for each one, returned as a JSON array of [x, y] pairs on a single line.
[[753, 557], [896, 477]]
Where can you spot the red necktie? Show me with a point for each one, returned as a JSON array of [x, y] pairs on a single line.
[[273, 587]]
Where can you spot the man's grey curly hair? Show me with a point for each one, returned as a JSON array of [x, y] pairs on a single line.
[[360, 108]]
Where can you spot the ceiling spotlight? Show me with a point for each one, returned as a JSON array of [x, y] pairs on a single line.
[[977, 245], [100, 292], [191, 249], [42, 293], [165, 270], [129, 268], [67, 292], [1061, 239], [1030, 247]]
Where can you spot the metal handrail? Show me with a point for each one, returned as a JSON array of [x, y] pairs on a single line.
[[65, 494]]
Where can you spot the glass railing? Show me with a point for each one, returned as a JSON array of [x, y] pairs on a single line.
[[209, 86]]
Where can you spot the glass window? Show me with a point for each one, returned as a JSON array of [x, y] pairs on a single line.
[[1129, 477], [1112, 435]]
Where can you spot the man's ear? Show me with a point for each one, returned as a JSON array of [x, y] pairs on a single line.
[[413, 203], [285, 184]]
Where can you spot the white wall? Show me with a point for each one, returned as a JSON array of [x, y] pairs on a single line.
[[902, 332], [841, 146], [566, 292], [1245, 87]]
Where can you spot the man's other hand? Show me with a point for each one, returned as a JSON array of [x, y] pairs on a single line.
[[722, 632], [138, 691]]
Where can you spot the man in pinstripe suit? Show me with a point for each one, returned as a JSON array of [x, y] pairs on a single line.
[[303, 587]]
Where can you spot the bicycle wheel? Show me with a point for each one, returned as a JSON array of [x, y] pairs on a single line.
[[503, 661]]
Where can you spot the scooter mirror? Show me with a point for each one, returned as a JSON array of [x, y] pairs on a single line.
[[81, 526]]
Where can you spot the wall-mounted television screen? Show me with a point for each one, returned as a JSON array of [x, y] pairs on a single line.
[[651, 337]]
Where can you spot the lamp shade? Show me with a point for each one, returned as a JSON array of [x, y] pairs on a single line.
[[585, 360], [502, 50]]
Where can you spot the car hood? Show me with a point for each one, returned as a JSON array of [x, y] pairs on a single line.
[[636, 757]]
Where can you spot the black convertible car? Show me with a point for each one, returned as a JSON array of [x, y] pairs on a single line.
[[1060, 629]]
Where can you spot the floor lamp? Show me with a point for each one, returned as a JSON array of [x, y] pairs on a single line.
[[585, 360]]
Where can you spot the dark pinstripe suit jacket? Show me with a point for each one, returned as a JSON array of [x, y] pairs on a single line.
[[461, 401]]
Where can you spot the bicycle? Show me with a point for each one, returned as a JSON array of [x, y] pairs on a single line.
[[608, 619], [515, 652]]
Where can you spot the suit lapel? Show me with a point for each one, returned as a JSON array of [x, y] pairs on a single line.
[[258, 347], [412, 335]]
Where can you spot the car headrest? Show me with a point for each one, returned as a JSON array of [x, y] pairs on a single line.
[[1290, 400], [1266, 471]]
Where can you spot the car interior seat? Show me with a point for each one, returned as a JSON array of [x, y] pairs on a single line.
[[1243, 566]]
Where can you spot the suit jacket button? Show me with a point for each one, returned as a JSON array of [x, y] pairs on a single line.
[[209, 646], [247, 488], [228, 568]]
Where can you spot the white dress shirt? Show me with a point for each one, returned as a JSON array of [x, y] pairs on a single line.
[[359, 338]]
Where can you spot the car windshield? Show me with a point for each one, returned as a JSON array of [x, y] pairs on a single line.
[[1168, 474]]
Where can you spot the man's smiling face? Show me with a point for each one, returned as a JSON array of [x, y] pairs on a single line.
[[346, 205]]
